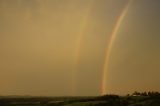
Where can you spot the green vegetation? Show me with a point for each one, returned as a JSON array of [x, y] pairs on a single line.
[[136, 99]]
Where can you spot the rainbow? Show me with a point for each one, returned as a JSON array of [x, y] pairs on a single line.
[[110, 45], [79, 43]]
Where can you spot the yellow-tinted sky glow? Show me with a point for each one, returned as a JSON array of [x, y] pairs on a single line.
[[79, 47]]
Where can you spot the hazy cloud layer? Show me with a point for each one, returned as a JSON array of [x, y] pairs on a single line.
[[38, 39]]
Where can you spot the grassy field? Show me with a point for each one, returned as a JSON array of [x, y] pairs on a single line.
[[107, 100]]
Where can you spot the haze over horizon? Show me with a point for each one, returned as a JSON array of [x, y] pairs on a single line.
[[57, 47]]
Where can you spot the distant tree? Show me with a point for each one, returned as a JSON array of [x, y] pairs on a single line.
[[128, 95], [144, 94], [136, 93]]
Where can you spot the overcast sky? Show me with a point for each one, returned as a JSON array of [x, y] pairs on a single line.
[[41, 54]]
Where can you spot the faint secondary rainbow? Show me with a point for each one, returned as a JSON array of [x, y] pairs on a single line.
[[79, 43], [110, 45]]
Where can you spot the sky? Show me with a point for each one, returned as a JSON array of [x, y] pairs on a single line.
[[58, 47]]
